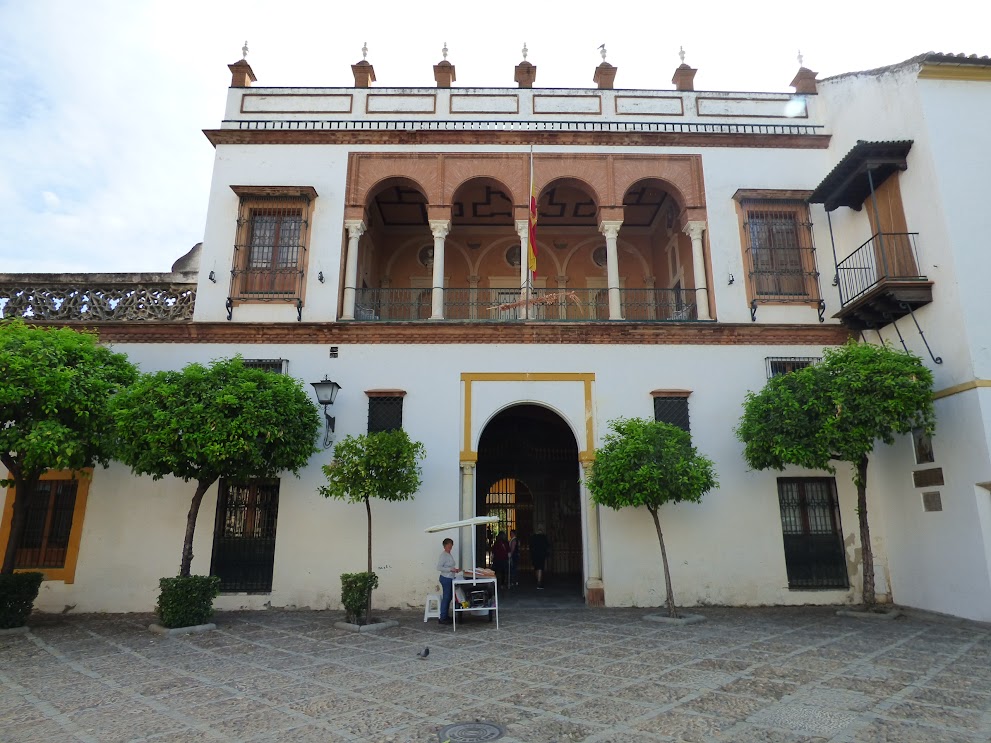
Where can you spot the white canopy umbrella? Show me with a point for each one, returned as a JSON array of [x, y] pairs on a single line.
[[472, 522]]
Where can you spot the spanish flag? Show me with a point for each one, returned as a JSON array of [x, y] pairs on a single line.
[[531, 253]]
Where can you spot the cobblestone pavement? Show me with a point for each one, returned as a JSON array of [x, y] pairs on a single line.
[[594, 675]]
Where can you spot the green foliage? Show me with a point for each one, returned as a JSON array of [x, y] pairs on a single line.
[[17, 594], [207, 422], [375, 465], [54, 412], [187, 601], [222, 420], [836, 409], [355, 590], [649, 463]]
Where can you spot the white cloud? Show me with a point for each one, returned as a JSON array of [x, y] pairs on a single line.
[[104, 167]]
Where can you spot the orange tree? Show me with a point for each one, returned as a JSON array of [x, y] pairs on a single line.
[[650, 463], [204, 423], [382, 464], [839, 409], [55, 391]]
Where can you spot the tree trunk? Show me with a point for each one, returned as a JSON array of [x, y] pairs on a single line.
[[870, 600], [187, 545], [368, 599], [22, 489], [664, 558]]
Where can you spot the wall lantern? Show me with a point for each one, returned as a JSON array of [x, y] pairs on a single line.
[[326, 394]]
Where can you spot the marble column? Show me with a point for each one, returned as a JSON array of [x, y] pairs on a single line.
[[439, 228], [355, 228], [467, 512], [610, 229], [595, 592], [694, 230]]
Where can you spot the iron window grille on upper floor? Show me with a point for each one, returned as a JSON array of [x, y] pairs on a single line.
[[780, 254], [270, 245]]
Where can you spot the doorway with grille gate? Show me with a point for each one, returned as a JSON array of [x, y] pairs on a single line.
[[527, 475]]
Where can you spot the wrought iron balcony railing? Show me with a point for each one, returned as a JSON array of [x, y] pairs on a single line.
[[508, 305], [90, 298], [887, 256]]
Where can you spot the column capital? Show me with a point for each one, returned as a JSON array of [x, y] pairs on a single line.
[[355, 227], [440, 228], [694, 229], [467, 467], [522, 225], [562, 280], [610, 227]]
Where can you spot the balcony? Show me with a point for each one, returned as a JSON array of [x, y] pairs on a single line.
[[535, 305], [880, 281]]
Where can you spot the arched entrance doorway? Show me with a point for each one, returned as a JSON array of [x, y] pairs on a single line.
[[527, 475]]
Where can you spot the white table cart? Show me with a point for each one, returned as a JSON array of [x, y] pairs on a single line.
[[473, 582]]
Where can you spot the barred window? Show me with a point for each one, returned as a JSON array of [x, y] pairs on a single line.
[[276, 366], [270, 247], [385, 413], [48, 523], [672, 409], [778, 365], [779, 251], [813, 535]]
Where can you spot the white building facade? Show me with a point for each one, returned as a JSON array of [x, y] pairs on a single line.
[[687, 244]]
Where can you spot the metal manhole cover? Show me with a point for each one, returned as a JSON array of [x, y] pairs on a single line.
[[471, 732]]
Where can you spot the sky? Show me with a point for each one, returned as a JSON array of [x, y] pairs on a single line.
[[104, 166]]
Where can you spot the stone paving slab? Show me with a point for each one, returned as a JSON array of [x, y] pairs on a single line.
[[549, 675]]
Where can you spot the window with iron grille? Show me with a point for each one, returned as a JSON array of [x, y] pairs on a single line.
[[673, 410], [385, 413], [780, 255], [778, 365], [270, 247], [813, 535], [276, 366], [48, 525], [244, 535]]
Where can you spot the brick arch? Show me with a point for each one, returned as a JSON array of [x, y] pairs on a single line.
[[607, 177], [681, 176], [509, 170]]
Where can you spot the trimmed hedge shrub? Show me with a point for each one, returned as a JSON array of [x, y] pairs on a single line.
[[187, 602], [355, 591], [17, 594]]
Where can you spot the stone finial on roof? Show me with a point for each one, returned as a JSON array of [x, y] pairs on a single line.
[[444, 71], [684, 76], [241, 74], [605, 73], [805, 79], [526, 73], [364, 73]]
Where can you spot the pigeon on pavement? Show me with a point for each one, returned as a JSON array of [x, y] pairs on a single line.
[[422, 655]]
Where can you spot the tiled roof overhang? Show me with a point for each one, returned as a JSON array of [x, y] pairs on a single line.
[[849, 183]]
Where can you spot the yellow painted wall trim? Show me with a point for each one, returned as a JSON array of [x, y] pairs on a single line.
[[67, 573], [467, 378], [963, 387], [967, 73]]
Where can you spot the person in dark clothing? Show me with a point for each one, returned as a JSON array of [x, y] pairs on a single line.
[[540, 547], [500, 559]]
